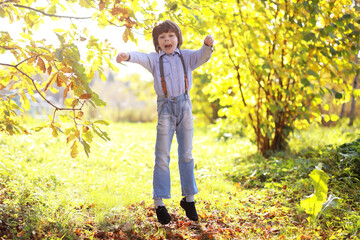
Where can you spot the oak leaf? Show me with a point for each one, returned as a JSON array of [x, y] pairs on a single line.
[[101, 5], [85, 96], [41, 64], [49, 70], [66, 90]]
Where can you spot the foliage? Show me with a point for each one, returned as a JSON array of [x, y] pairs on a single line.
[[59, 66], [203, 109], [277, 62], [349, 158], [290, 171], [313, 204], [108, 195]]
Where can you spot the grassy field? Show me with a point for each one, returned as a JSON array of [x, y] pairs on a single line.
[[45, 194]]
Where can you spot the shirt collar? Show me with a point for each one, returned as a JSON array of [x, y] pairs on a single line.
[[177, 51]]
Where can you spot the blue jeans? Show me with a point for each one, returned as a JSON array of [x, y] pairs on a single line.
[[174, 115]]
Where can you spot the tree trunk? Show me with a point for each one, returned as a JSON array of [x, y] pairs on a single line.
[[342, 113], [353, 101]]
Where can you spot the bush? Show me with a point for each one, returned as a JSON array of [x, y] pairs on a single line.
[[348, 159]]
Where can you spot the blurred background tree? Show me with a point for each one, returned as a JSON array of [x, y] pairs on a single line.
[[278, 65]]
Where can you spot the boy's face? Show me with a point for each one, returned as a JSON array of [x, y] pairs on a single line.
[[168, 42]]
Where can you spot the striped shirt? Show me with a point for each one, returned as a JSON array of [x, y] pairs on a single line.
[[173, 69]]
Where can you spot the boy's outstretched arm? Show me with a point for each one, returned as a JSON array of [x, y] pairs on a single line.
[[122, 57], [201, 56], [209, 40]]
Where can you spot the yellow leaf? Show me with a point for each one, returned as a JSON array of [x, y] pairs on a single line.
[[326, 117], [334, 117], [70, 138], [51, 78], [24, 101], [125, 36], [326, 107], [54, 131], [74, 150]]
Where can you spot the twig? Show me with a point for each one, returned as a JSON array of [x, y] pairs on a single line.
[[39, 92], [47, 14], [7, 48], [24, 61], [53, 119]]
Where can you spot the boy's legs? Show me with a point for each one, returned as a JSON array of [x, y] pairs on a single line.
[[174, 115], [184, 135], [161, 174], [164, 136]]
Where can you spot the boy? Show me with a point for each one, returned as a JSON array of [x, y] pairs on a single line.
[[172, 71]]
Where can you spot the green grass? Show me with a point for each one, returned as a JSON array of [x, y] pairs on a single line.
[[46, 194]]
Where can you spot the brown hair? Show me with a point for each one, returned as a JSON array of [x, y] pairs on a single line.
[[165, 27]]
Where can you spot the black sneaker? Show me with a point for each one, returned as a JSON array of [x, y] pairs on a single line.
[[162, 215], [190, 209]]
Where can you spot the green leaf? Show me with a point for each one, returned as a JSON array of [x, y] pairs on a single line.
[[102, 122], [313, 203], [59, 54], [61, 38], [173, 6], [86, 146], [311, 72], [305, 82], [310, 37], [338, 95], [101, 134]]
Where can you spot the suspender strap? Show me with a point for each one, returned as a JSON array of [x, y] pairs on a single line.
[[162, 75], [185, 75]]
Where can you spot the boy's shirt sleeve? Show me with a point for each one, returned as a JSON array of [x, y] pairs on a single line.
[[144, 59], [199, 57]]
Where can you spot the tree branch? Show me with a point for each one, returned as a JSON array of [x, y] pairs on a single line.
[[24, 61], [39, 92], [7, 48], [47, 14]]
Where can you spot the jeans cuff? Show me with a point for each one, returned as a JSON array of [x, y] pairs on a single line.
[[162, 197]]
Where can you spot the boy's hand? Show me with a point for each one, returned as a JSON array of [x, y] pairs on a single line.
[[122, 57], [209, 40]]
